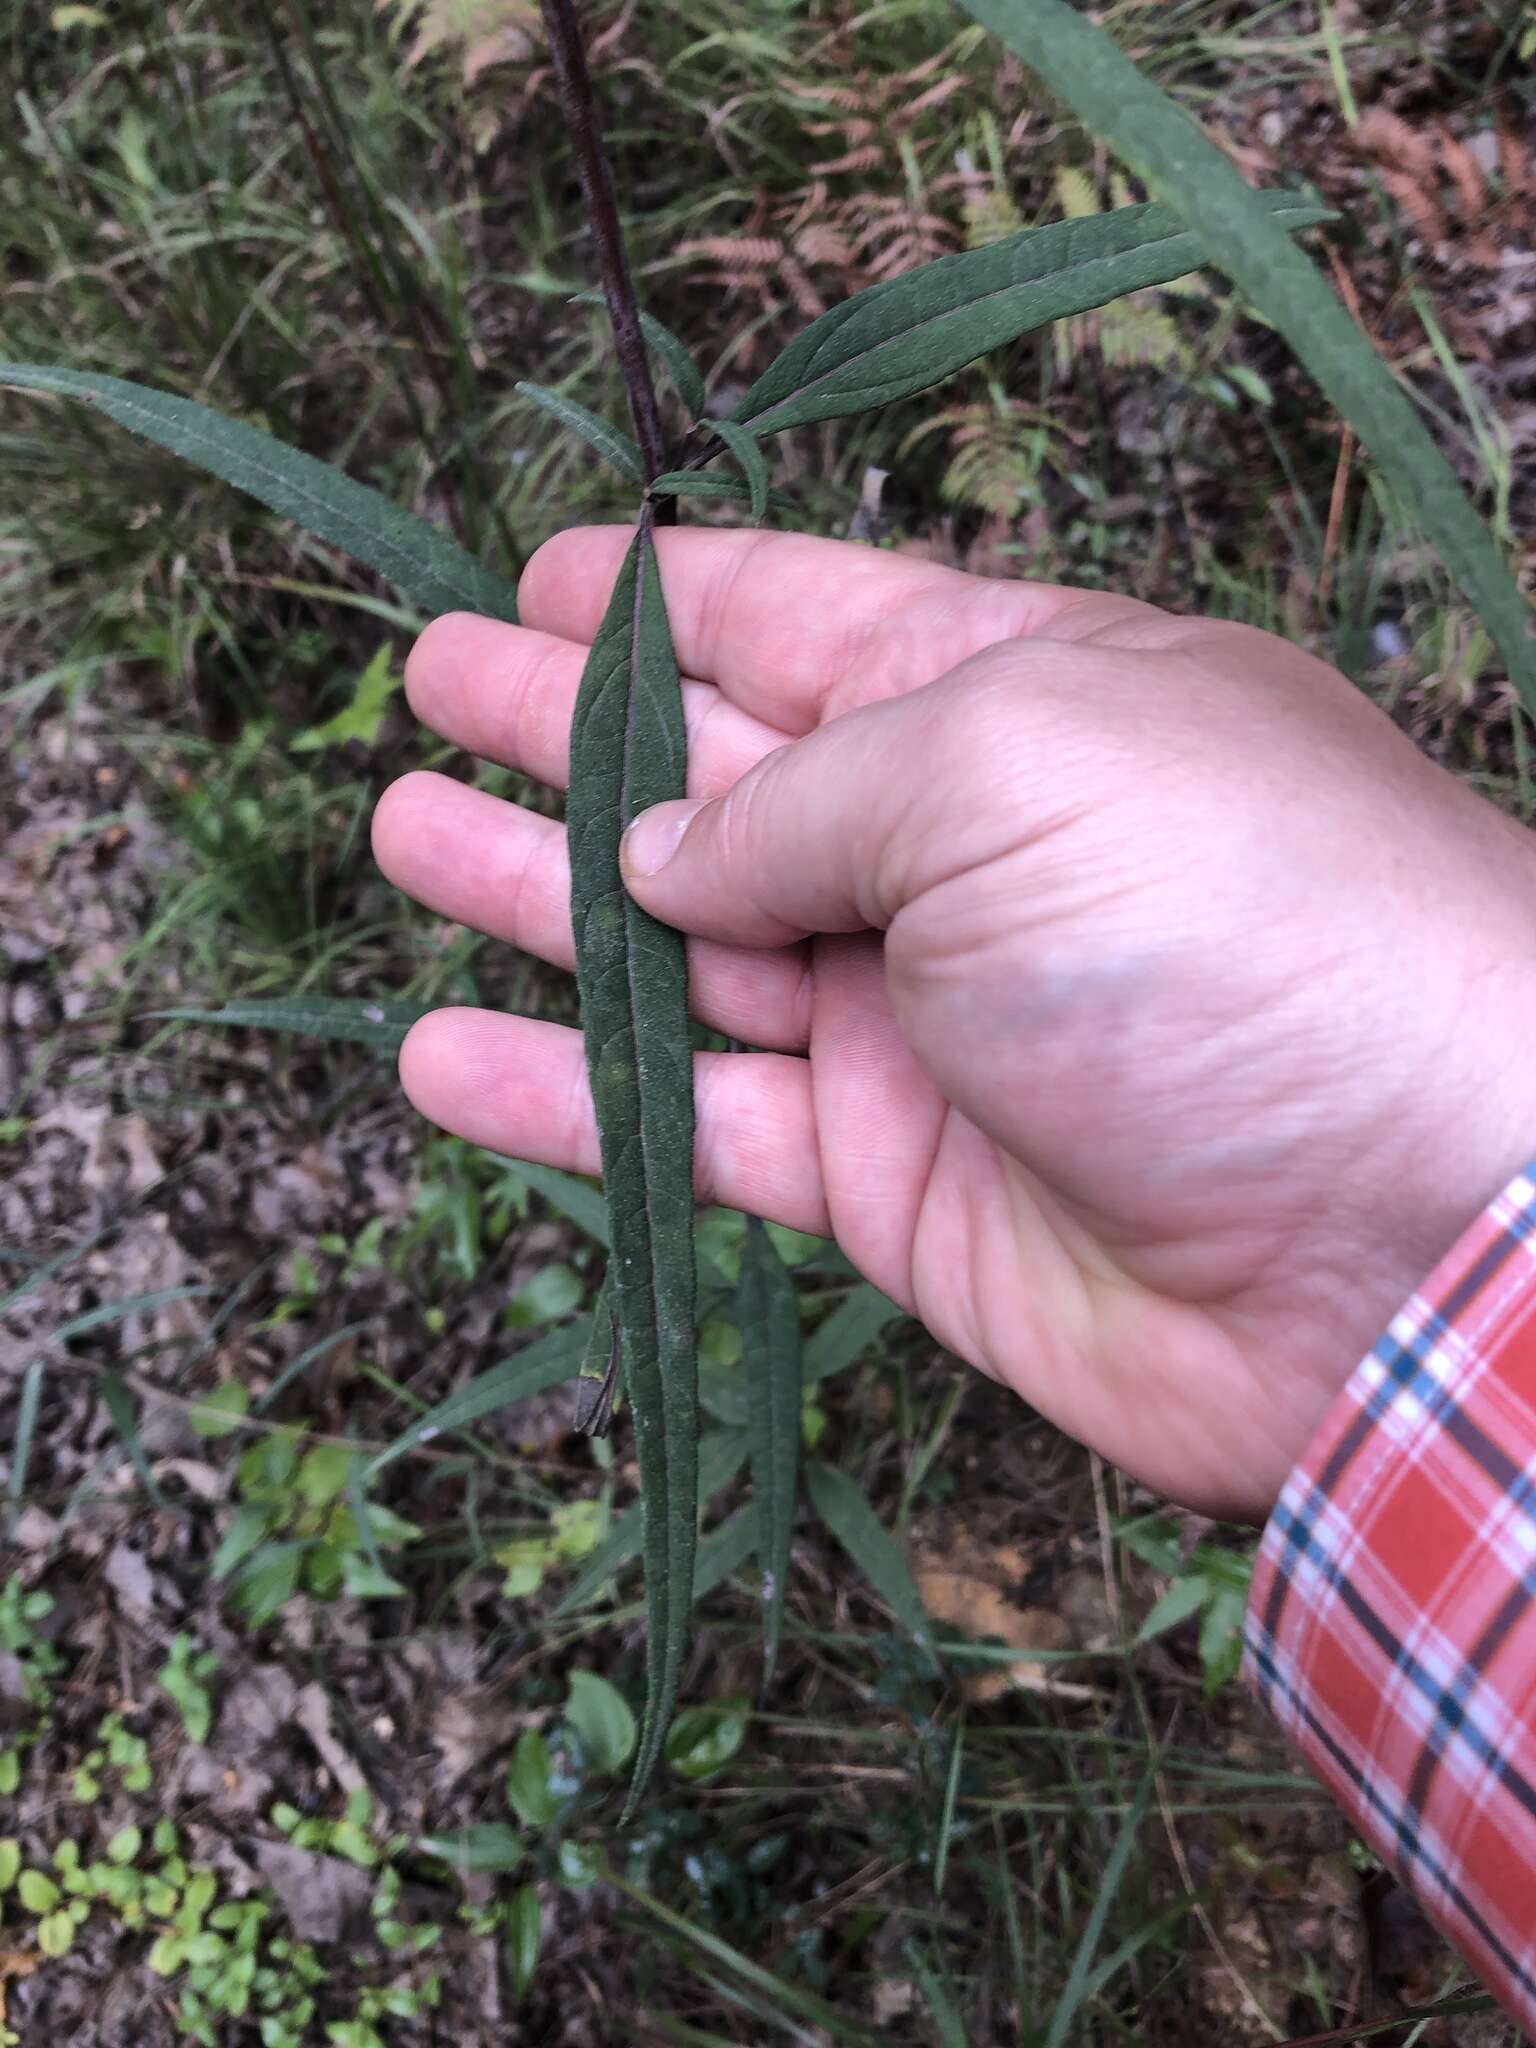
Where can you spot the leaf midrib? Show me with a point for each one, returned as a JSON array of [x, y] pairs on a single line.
[[643, 1122], [1069, 270]]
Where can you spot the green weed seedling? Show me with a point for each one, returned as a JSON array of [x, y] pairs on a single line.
[[118, 1751], [40, 1662], [304, 1524], [1210, 1584], [555, 1786]]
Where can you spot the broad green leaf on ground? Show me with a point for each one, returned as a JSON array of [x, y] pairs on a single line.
[[768, 1317], [372, 1021], [600, 1715], [859, 1530], [545, 1364], [491, 1846], [628, 751], [421, 562], [616, 449], [1237, 229], [909, 332]]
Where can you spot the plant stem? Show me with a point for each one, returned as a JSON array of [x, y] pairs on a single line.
[[570, 64]]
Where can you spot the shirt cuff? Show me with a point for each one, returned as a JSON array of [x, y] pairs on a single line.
[[1391, 1629]]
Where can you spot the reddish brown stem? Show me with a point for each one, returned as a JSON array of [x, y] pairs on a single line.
[[569, 58]]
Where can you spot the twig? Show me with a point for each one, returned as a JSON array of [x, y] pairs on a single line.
[[581, 116]]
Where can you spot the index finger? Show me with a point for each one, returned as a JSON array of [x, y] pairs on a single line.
[[788, 626]]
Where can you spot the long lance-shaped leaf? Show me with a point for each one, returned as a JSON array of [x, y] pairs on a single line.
[[911, 331], [859, 1530], [615, 448], [423, 563], [1238, 232], [545, 1364], [768, 1317], [628, 751]]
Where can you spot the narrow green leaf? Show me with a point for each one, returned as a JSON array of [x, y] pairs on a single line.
[[911, 331], [721, 1456], [545, 1364], [628, 748], [421, 562], [680, 366], [616, 449], [723, 1551], [943, 2011], [1237, 229], [754, 466], [376, 1022], [848, 1332], [705, 483], [854, 1523], [21, 1444], [768, 1317], [576, 1199], [1074, 1991], [525, 1923], [782, 1995], [947, 1813], [119, 1405]]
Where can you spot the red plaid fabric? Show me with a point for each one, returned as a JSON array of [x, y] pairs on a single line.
[[1392, 1626]]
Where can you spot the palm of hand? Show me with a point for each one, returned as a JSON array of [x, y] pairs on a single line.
[[1103, 1096]]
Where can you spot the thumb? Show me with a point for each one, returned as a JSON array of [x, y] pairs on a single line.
[[831, 833]]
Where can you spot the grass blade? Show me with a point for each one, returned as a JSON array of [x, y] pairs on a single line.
[[848, 1332], [616, 449], [782, 1995], [119, 1405], [421, 562], [1238, 231], [768, 1317], [754, 468], [853, 1522], [942, 2010], [912, 331], [947, 1813], [628, 749], [375, 1022], [723, 1551], [1075, 1991], [21, 1443], [545, 1364], [576, 1199]]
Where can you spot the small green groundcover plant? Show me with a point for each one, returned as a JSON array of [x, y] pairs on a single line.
[[628, 744]]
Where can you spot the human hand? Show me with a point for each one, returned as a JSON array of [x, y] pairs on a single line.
[[1138, 1007]]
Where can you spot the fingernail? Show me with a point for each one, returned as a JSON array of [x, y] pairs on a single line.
[[653, 838]]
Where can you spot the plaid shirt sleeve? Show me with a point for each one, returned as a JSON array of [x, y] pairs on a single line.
[[1392, 1625]]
